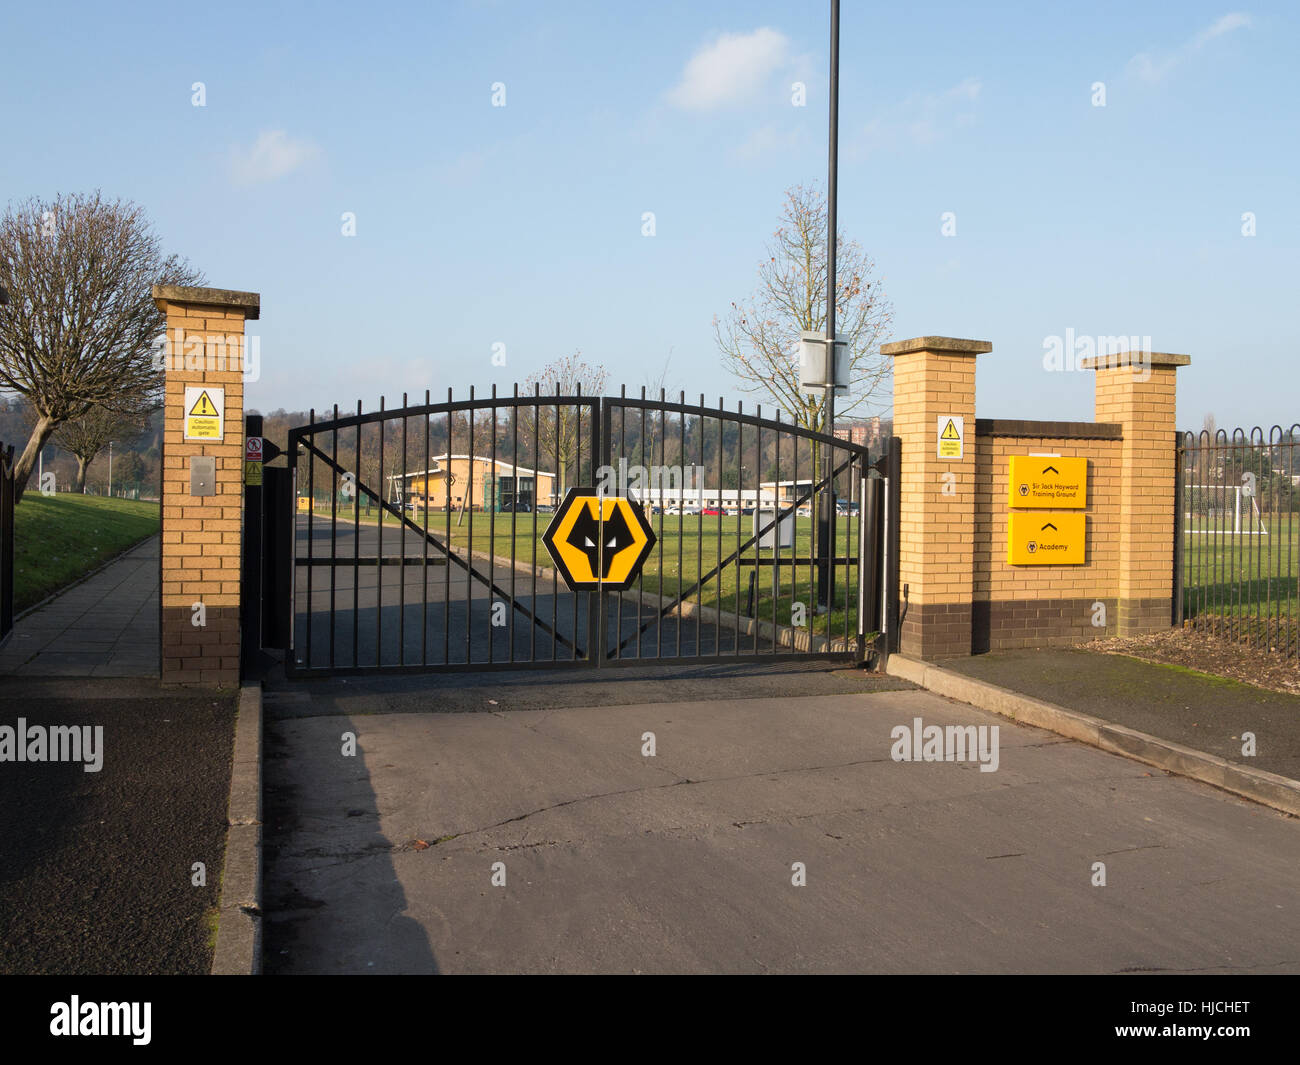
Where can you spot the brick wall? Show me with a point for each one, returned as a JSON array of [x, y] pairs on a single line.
[[1030, 606], [201, 535], [962, 595]]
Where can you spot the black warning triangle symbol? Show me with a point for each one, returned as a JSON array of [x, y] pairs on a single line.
[[950, 432], [204, 407]]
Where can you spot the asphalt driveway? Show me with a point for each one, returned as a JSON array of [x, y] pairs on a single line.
[[96, 868], [683, 862]]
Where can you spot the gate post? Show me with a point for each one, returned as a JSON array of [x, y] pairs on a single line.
[[934, 377], [1138, 390], [202, 501]]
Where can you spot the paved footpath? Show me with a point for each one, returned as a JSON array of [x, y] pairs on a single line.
[[106, 626], [1200, 711], [682, 862]]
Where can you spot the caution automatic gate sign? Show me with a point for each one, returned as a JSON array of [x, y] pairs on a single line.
[[599, 542], [952, 436], [204, 412]]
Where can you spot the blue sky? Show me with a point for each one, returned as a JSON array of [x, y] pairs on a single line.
[[521, 224]]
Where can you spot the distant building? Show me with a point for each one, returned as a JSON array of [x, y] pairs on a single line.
[[475, 482], [864, 432]]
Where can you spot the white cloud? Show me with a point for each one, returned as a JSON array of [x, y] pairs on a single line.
[[729, 70], [922, 119], [1238, 20], [271, 156], [1155, 67]]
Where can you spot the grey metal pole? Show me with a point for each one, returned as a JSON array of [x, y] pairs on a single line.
[[826, 522]]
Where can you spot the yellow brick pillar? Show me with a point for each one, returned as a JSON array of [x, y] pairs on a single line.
[[934, 378], [201, 533], [1137, 390]]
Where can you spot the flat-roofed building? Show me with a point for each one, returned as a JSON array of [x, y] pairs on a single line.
[[477, 483]]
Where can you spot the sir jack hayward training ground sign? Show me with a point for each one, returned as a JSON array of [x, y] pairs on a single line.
[[599, 542]]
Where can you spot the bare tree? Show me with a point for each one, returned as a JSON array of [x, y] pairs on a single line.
[[559, 428], [80, 328], [86, 436], [759, 339]]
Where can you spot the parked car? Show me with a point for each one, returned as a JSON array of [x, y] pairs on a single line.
[[713, 512], [516, 508]]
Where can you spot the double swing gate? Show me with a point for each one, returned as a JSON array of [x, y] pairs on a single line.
[[418, 540]]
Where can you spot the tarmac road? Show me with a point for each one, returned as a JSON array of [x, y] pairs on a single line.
[[95, 868], [682, 862]]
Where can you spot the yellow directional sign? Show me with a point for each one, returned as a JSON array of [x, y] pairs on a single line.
[[203, 412], [1045, 481], [1046, 539], [598, 542]]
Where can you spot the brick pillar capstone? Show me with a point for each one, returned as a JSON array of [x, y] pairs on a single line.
[[934, 377], [1137, 389], [201, 534]]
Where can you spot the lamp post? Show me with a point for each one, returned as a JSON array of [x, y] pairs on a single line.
[[826, 517]]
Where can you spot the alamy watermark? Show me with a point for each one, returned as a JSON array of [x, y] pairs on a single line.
[[102, 1018], [1068, 352], [209, 351], [950, 743], [640, 480], [55, 743]]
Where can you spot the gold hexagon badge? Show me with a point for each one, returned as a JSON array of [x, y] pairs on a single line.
[[599, 542]]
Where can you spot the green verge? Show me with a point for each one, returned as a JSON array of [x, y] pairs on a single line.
[[59, 539]]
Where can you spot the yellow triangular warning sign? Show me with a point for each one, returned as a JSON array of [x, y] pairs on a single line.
[[949, 431], [203, 407]]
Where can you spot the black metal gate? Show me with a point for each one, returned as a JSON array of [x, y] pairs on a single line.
[[416, 539], [6, 540]]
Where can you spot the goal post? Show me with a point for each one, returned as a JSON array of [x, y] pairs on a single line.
[[1221, 510]]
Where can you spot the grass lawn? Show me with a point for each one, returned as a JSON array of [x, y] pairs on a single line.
[[59, 538], [1238, 574]]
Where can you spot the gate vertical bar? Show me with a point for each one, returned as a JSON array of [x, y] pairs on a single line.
[[401, 563], [250, 567], [892, 540], [640, 580], [493, 503], [446, 569], [1179, 455], [334, 526], [6, 541], [379, 560], [424, 569], [468, 503], [356, 551], [699, 541], [537, 491], [717, 614], [311, 511], [514, 513], [602, 431]]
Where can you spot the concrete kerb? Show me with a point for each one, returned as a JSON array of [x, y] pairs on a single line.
[[1270, 789], [239, 929]]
